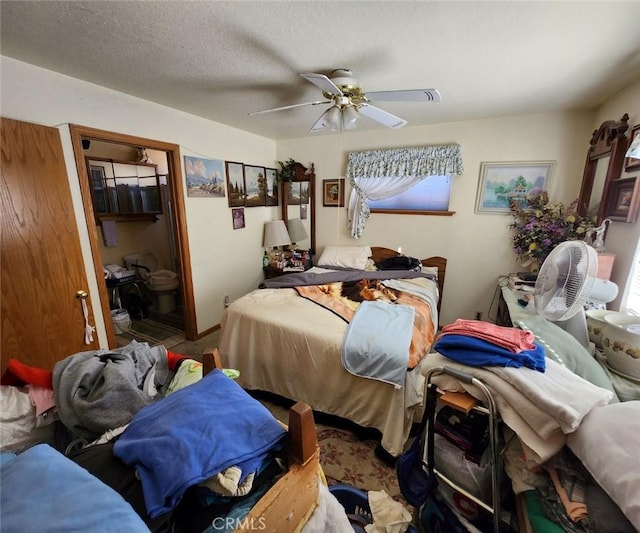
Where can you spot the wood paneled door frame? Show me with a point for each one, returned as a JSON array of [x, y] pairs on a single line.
[[174, 182]]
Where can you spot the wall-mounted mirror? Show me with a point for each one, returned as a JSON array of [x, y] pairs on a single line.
[[123, 189], [298, 203], [605, 158]]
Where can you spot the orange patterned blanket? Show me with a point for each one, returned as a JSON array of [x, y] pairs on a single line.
[[344, 297]]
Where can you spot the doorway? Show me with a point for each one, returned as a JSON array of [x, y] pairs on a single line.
[[170, 243]]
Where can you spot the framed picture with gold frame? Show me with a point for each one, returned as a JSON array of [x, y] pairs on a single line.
[[333, 193]]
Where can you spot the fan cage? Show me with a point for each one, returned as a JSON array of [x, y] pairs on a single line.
[[565, 280]]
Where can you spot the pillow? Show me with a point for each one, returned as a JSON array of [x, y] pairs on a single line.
[[345, 256], [563, 348], [430, 270], [607, 444]]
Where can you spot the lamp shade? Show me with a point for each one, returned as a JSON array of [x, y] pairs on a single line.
[[276, 234], [297, 230]]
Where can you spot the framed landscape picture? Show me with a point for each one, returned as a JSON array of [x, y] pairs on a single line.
[[255, 184], [272, 186], [205, 177], [501, 183], [235, 183]]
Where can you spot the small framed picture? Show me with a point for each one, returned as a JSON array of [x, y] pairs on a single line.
[[623, 200], [501, 183], [333, 193], [303, 211], [237, 215], [631, 163]]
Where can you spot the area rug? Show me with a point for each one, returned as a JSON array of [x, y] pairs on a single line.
[[151, 332], [347, 459]]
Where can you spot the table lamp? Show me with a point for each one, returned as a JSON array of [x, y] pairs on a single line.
[[297, 231], [275, 234]]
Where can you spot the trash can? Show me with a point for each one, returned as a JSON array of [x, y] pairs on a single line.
[[121, 320]]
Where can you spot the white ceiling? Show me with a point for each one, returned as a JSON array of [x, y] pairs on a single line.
[[223, 59]]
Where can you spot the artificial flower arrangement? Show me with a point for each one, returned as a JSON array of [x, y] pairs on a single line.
[[540, 225]]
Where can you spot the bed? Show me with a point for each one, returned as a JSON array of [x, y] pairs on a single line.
[[291, 346], [40, 472]]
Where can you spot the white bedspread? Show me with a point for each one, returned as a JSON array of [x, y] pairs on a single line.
[[290, 346]]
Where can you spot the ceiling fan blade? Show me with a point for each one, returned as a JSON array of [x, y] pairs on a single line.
[[288, 107], [381, 116], [418, 95], [322, 82]]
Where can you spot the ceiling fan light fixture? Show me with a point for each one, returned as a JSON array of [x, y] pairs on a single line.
[[349, 117], [333, 118]]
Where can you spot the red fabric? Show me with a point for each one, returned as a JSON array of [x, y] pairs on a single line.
[[173, 359], [513, 339], [18, 373]]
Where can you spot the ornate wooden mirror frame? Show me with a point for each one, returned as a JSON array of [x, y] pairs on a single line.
[[302, 175], [603, 165]]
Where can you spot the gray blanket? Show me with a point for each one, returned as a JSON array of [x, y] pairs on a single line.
[[101, 389], [296, 279]]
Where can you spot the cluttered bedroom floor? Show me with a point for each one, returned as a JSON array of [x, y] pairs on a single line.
[[348, 453]]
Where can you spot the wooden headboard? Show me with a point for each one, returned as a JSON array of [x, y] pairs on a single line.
[[379, 253]]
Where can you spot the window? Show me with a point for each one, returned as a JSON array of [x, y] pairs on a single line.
[[428, 195], [631, 299], [377, 175]]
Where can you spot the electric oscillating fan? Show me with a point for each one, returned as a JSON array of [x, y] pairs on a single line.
[[567, 279]]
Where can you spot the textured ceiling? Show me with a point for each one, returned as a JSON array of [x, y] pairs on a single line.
[[222, 60]]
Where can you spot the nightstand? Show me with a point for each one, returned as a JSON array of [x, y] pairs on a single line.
[[274, 272]]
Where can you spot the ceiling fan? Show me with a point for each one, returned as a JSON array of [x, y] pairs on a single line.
[[348, 100]]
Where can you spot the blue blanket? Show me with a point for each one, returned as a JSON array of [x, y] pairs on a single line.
[[477, 352], [193, 434], [42, 490], [376, 344]]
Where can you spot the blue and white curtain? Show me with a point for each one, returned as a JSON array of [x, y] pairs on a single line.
[[379, 174]]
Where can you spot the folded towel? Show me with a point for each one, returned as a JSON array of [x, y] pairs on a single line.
[[477, 352], [512, 339]]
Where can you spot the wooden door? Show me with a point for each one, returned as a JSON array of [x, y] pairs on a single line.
[[41, 264]]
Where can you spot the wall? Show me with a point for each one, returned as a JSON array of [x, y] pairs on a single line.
[[622, 238], [223, 261], [477, 246]]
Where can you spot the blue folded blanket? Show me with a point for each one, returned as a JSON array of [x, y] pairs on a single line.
[[477, 352], [193, 434]]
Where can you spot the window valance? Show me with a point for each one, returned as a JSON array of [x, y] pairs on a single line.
[[421, 161], [379, 174]]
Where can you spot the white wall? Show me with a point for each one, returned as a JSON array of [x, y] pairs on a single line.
[[477, 246], [622, 237], [223, 260]]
